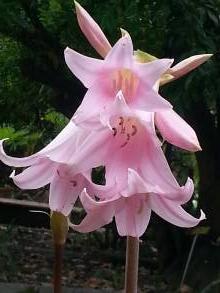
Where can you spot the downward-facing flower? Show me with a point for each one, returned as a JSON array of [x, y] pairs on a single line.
[[45, 168], [132, 207], [117, 72], [136, 165], [125, 140]]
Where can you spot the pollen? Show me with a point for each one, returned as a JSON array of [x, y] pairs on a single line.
[[125, 129], [74, 183]]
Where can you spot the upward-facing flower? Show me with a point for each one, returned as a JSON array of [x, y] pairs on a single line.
[[172, 127], [117, 72], [100, 43]]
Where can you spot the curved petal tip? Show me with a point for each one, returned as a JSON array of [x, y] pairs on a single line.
[[12, 175], [202, 216]]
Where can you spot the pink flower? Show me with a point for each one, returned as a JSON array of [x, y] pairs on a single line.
[[100, 43], [135, 164], [118, 72], [50, 166], [132, 207], [172, 127], [126, 139]]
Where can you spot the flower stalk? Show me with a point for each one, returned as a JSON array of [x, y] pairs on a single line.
[[131, 267], [58, 263], [59, 226]]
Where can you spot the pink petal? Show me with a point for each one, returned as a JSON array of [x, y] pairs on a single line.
[[90, 205], [35, 176], [17, 162], [149, 100], [176, 131], [116, 171], [93, 103], [133, 216], [187, 191], [151, 72], [121, 55], [155, 169], [66, 145], [86, 121], [117, 107], [61, 139], [172, 212], [64, 192], [147, 119], [101, 191], [92, 31], [156, 172], [86, 69], [136, 185], [92, 153], [188, 65], [98, 214], [68, 138]]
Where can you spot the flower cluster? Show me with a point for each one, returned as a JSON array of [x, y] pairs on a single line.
[[115, 126]]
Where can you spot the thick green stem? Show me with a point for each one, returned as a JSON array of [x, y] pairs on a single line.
[[131, 268], [57, 277]]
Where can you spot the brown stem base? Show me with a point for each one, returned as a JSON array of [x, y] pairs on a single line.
[[131, 268], [57, 280]]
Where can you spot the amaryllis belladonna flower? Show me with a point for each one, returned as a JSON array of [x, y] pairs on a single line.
[[172, 127], [50, 166], [135, 163], [100, 43], [117, 72]]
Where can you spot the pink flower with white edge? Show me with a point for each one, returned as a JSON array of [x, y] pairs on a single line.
[[117, 72], [44, 168]]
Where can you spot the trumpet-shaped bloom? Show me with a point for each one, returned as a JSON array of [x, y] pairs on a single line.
[[100, 43], [172, 127], [127, 139], [132, 207], [136, 166], [42, 169], [118, 72]]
